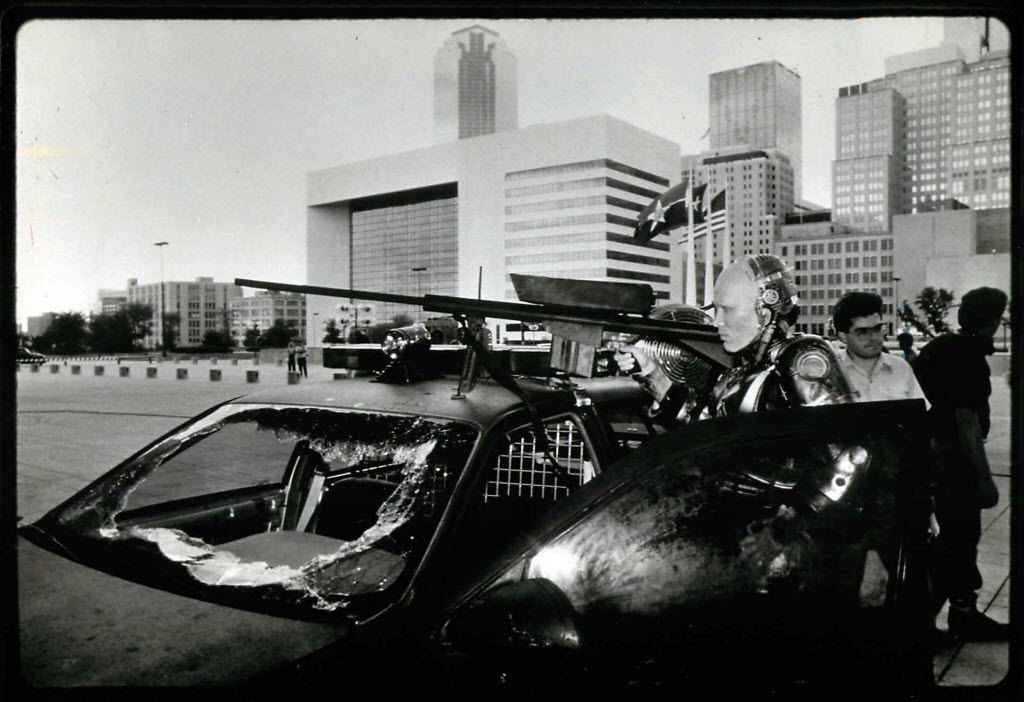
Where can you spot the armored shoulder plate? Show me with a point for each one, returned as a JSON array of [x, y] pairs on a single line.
[[809, 371]]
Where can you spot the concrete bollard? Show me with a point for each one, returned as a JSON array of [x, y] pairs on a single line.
[[183, 374], [280, 362], [97, 370], [124, 371], [252, 376], [177, 360], [35, 367], [76, 370], [234, 361], [151, 372], [293, 378], [215, 374], [195, 360], [213, 360], [340, 376], [54, 368]]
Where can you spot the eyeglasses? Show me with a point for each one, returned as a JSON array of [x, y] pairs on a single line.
[[865, 332]]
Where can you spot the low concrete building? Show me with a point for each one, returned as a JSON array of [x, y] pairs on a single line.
[[263, 309], [954, 249]]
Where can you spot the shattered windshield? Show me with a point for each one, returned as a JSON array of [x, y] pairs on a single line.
[[325, 504]]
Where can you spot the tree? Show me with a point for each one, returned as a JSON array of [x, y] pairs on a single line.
[[172, 320], [278, 335], [935, 303], [110, 333], [251, 340], [67, 333], [139, 318], [333, 334], [218, 340]]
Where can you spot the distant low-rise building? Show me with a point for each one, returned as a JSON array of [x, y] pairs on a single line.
[[956, 249], [829, 259], [263, 309], [199, 305], [38, 325], [109, 301]]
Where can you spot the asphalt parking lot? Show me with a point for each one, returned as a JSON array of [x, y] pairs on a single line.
[[79, 627]]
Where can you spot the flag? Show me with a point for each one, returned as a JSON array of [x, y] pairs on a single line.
[[668, 211], [713, 215]]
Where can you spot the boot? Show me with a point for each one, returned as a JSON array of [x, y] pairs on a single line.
[[972, 625]]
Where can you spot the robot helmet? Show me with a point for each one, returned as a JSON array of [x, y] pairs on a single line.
[[777, 293]]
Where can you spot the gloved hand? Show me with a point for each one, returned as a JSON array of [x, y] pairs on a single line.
[[777, 550], [630, 359]]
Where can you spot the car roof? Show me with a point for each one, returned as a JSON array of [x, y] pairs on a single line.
[[483, 405]]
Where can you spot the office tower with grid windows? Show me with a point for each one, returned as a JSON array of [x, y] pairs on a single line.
[[557, 199], [758, 106], [198, 306], [474, 86], [955, 124]]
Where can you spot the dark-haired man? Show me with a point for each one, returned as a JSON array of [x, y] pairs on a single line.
[[955, 376], [874, 374]]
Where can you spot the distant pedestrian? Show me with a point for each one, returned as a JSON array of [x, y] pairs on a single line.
[[300, 356], [291, 356], [906, 342]]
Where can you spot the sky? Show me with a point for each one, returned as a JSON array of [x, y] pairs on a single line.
[[200, 133]]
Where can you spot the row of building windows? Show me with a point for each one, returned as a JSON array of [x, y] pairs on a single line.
[[586, 166]]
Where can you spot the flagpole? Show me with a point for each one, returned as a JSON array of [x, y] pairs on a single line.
[[726, 234], [691, 267], [709, 257]]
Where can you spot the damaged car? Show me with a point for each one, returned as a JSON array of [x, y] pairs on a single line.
[[553, 533]]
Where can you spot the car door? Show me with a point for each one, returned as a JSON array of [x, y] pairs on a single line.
[[652, 561]]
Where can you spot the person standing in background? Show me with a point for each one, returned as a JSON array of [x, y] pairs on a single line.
[[300, 356], [955, 376]]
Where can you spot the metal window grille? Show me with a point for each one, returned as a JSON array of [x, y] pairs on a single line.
[[522, 471]]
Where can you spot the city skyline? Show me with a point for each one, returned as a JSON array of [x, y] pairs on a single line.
[[215, 161]]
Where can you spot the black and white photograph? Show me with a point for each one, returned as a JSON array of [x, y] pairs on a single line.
[[465, 355]]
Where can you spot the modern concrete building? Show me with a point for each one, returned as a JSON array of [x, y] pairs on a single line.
[[829, 259], [556, 199], [758, 106], [110, 301], [262, 310], [954, 118], [200, 305], [953, 249], [474, 86]]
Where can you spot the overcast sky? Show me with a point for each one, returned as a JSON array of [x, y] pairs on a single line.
[[200, 133]]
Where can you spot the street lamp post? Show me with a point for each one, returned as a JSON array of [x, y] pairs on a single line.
[[418, 270], [163, 324], [896, 302]]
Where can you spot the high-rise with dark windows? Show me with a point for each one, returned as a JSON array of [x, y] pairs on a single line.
[[758, 106], [474, 86]]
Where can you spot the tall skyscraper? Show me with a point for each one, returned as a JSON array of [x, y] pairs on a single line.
[[955, 122], [758, 106], [474, 86]]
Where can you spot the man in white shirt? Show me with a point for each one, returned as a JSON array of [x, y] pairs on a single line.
[[873, 374]]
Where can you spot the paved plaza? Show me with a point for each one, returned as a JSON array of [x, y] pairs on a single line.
[[81, 627]]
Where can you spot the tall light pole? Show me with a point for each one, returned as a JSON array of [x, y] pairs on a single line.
[[163, 324], [896, 303], [316, 328], [419, 293]]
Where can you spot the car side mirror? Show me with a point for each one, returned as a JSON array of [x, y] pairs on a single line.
[[520, 615]]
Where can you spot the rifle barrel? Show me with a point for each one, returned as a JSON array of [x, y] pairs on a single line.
[[525, 312]]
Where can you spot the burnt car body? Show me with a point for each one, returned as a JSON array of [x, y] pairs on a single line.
[[438, 530]]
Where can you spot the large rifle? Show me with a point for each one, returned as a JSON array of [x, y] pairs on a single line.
[[577, 329]]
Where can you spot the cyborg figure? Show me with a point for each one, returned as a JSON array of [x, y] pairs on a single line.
[[755, 302]]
